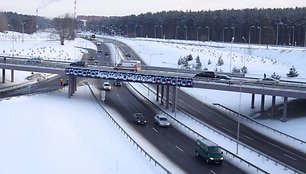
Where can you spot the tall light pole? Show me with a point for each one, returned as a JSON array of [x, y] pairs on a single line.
[[198, 32], [208, 33], [277, 30], [185, 32], [127, 31], [155, 29], [238, 120], [293, 28], [22, 26], [250, 31], [223, 33], [233, 35], [244, 51], [177, 27], [230, 70], [259, 37], [141, 31], [161, 31], [136, 30]]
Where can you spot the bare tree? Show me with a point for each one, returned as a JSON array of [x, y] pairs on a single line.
[[3, 22], [65, 27]]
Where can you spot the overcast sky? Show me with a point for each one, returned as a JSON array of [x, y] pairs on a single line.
[[54, 8]]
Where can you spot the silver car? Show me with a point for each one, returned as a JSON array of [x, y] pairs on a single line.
[[161, 121]]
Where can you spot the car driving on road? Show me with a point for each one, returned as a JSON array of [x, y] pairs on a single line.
[[79, 63], [207, 74], [107, 86], [139, 119], [161, 121]]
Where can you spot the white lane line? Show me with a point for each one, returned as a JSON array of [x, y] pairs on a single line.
[[248, 137], [211, 171], [155, 130], [179, 148], [289, 157], [219, 122]]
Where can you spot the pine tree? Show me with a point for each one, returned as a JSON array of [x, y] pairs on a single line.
[[198, 63], [292, 72]]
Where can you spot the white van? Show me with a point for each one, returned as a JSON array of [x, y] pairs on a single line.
[[132, 65]]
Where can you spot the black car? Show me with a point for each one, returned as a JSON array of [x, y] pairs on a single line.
[[139, 119], [208, 74], [79, 63], [106, 53], [117, 83]]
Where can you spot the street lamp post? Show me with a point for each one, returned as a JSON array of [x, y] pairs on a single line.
[[244, 51], [185, 32], [259, 37], [198, 32], [238, 120], [161, 31], [176, 31], [208, 33], [293, 28], [277, 30], [223, 33], [250, 30], [230, 70], [22, 27], [233, 35], [127, 31], [155, 29]]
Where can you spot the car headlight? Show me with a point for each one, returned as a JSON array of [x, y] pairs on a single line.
[[211, 158], [221, 158]]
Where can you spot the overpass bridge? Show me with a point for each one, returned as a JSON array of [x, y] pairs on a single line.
[[162, 78]]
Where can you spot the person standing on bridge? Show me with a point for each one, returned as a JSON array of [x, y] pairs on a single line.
[[61, 81]]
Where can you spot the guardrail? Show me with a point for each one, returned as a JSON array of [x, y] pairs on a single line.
[[199, 135], [258, 123], [156, 163], [277, 162]]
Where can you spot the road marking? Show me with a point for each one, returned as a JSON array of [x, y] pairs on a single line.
[[289, 157], [219, 122], [213, 172], [155, 130], [179, 148], [249, 138]]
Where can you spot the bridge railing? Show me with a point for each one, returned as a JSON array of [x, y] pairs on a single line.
[[260, 124], [147, 155], [234, 156]]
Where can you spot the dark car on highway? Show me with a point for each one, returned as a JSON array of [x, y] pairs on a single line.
[[207, 74], [139, 119], [79, 63]]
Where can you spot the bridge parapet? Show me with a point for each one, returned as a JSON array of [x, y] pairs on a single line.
[[130, 76]]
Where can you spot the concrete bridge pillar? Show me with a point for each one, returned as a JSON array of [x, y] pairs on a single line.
[[12, 75], [174, 88], [284, 118], [157, 92], [273, 106], [253, 101], [3, 75], [167, 96], [262, 108], [162, 95]]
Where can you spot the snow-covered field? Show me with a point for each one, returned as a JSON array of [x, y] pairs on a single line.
[[29, 126]]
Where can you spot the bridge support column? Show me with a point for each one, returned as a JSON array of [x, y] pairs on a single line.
[[253, 101], [70, 83], [262, 108], [12, 75], [174, 88], [167, 96], [75, 84], [162, 95], [3, 75], [284, 118], [273, 106], [157, 92]]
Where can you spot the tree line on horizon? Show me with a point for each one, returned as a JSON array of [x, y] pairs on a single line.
[[257, 26], [262, 26]]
